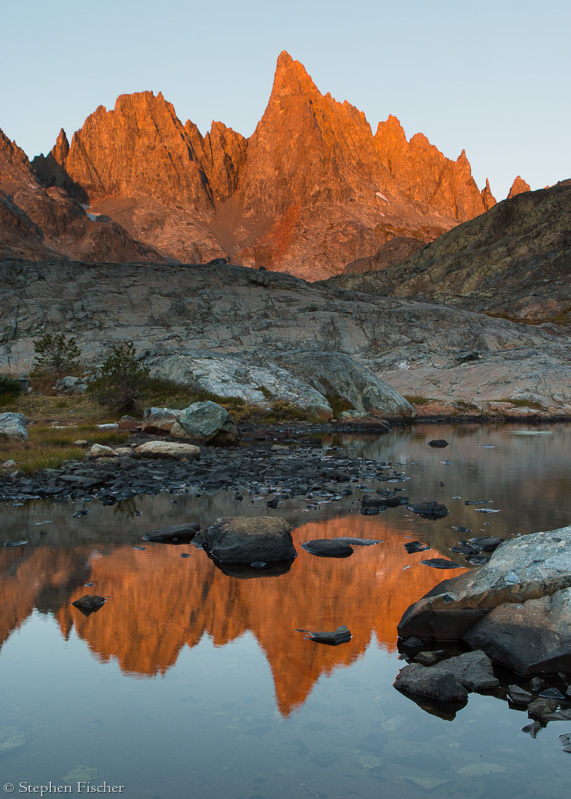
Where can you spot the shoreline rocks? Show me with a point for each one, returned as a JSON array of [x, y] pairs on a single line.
[[516, 607]]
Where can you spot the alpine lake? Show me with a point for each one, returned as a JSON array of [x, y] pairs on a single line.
[[193, 682]]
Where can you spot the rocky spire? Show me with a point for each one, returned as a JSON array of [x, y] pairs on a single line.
[[518, 187]]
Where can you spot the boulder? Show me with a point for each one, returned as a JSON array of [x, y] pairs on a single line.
[[167, 449], [328, 548], [438, 443], [101, 451], [159, 420], [437, 683], [240, 539], [529, 567], [339, 376], [531, 638], [13, 425], [72, 385], [473, 669], [208, 423]]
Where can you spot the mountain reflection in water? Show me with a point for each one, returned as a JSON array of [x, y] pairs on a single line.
[[160, 602]]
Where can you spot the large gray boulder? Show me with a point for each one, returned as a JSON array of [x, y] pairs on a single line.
[[13, 425], [531, 638], [239, 539], [339, 376], [529, 567], [207, 423]]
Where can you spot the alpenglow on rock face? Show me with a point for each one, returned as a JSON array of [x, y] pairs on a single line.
[[311, 190]]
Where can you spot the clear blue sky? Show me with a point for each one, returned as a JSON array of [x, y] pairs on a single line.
[[491, 76]]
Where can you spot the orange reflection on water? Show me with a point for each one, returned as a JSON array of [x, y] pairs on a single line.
[[159, 602]]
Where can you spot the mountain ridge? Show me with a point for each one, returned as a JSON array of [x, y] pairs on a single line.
[[311, 190]]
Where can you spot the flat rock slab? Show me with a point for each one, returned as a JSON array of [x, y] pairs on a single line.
[[524, 568], [169, 450], [328, 548], [240, 539], [173, 534], [531, 638], [339, 636]]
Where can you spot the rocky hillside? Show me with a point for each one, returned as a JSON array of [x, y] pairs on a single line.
[[513, 260], [240, 332], [309, 191]]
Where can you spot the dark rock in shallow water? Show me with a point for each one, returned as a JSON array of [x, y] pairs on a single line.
[[519, 696], [244, 540], [339, 636], [273, 503], [429, 510], [328, 548], [391, 499], [415, 546], [358, 542], [451, 679], [438, 443], [441, 563], [372, 510], [541, 707], [89, 603], [428, 681], [173, 534]]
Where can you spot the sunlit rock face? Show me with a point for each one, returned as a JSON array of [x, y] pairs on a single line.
[[311, 190]]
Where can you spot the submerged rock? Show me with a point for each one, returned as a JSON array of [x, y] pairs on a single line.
[[173, 534], [240, 539]]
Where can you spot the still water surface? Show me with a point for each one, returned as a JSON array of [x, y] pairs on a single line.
[[193, 683]]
